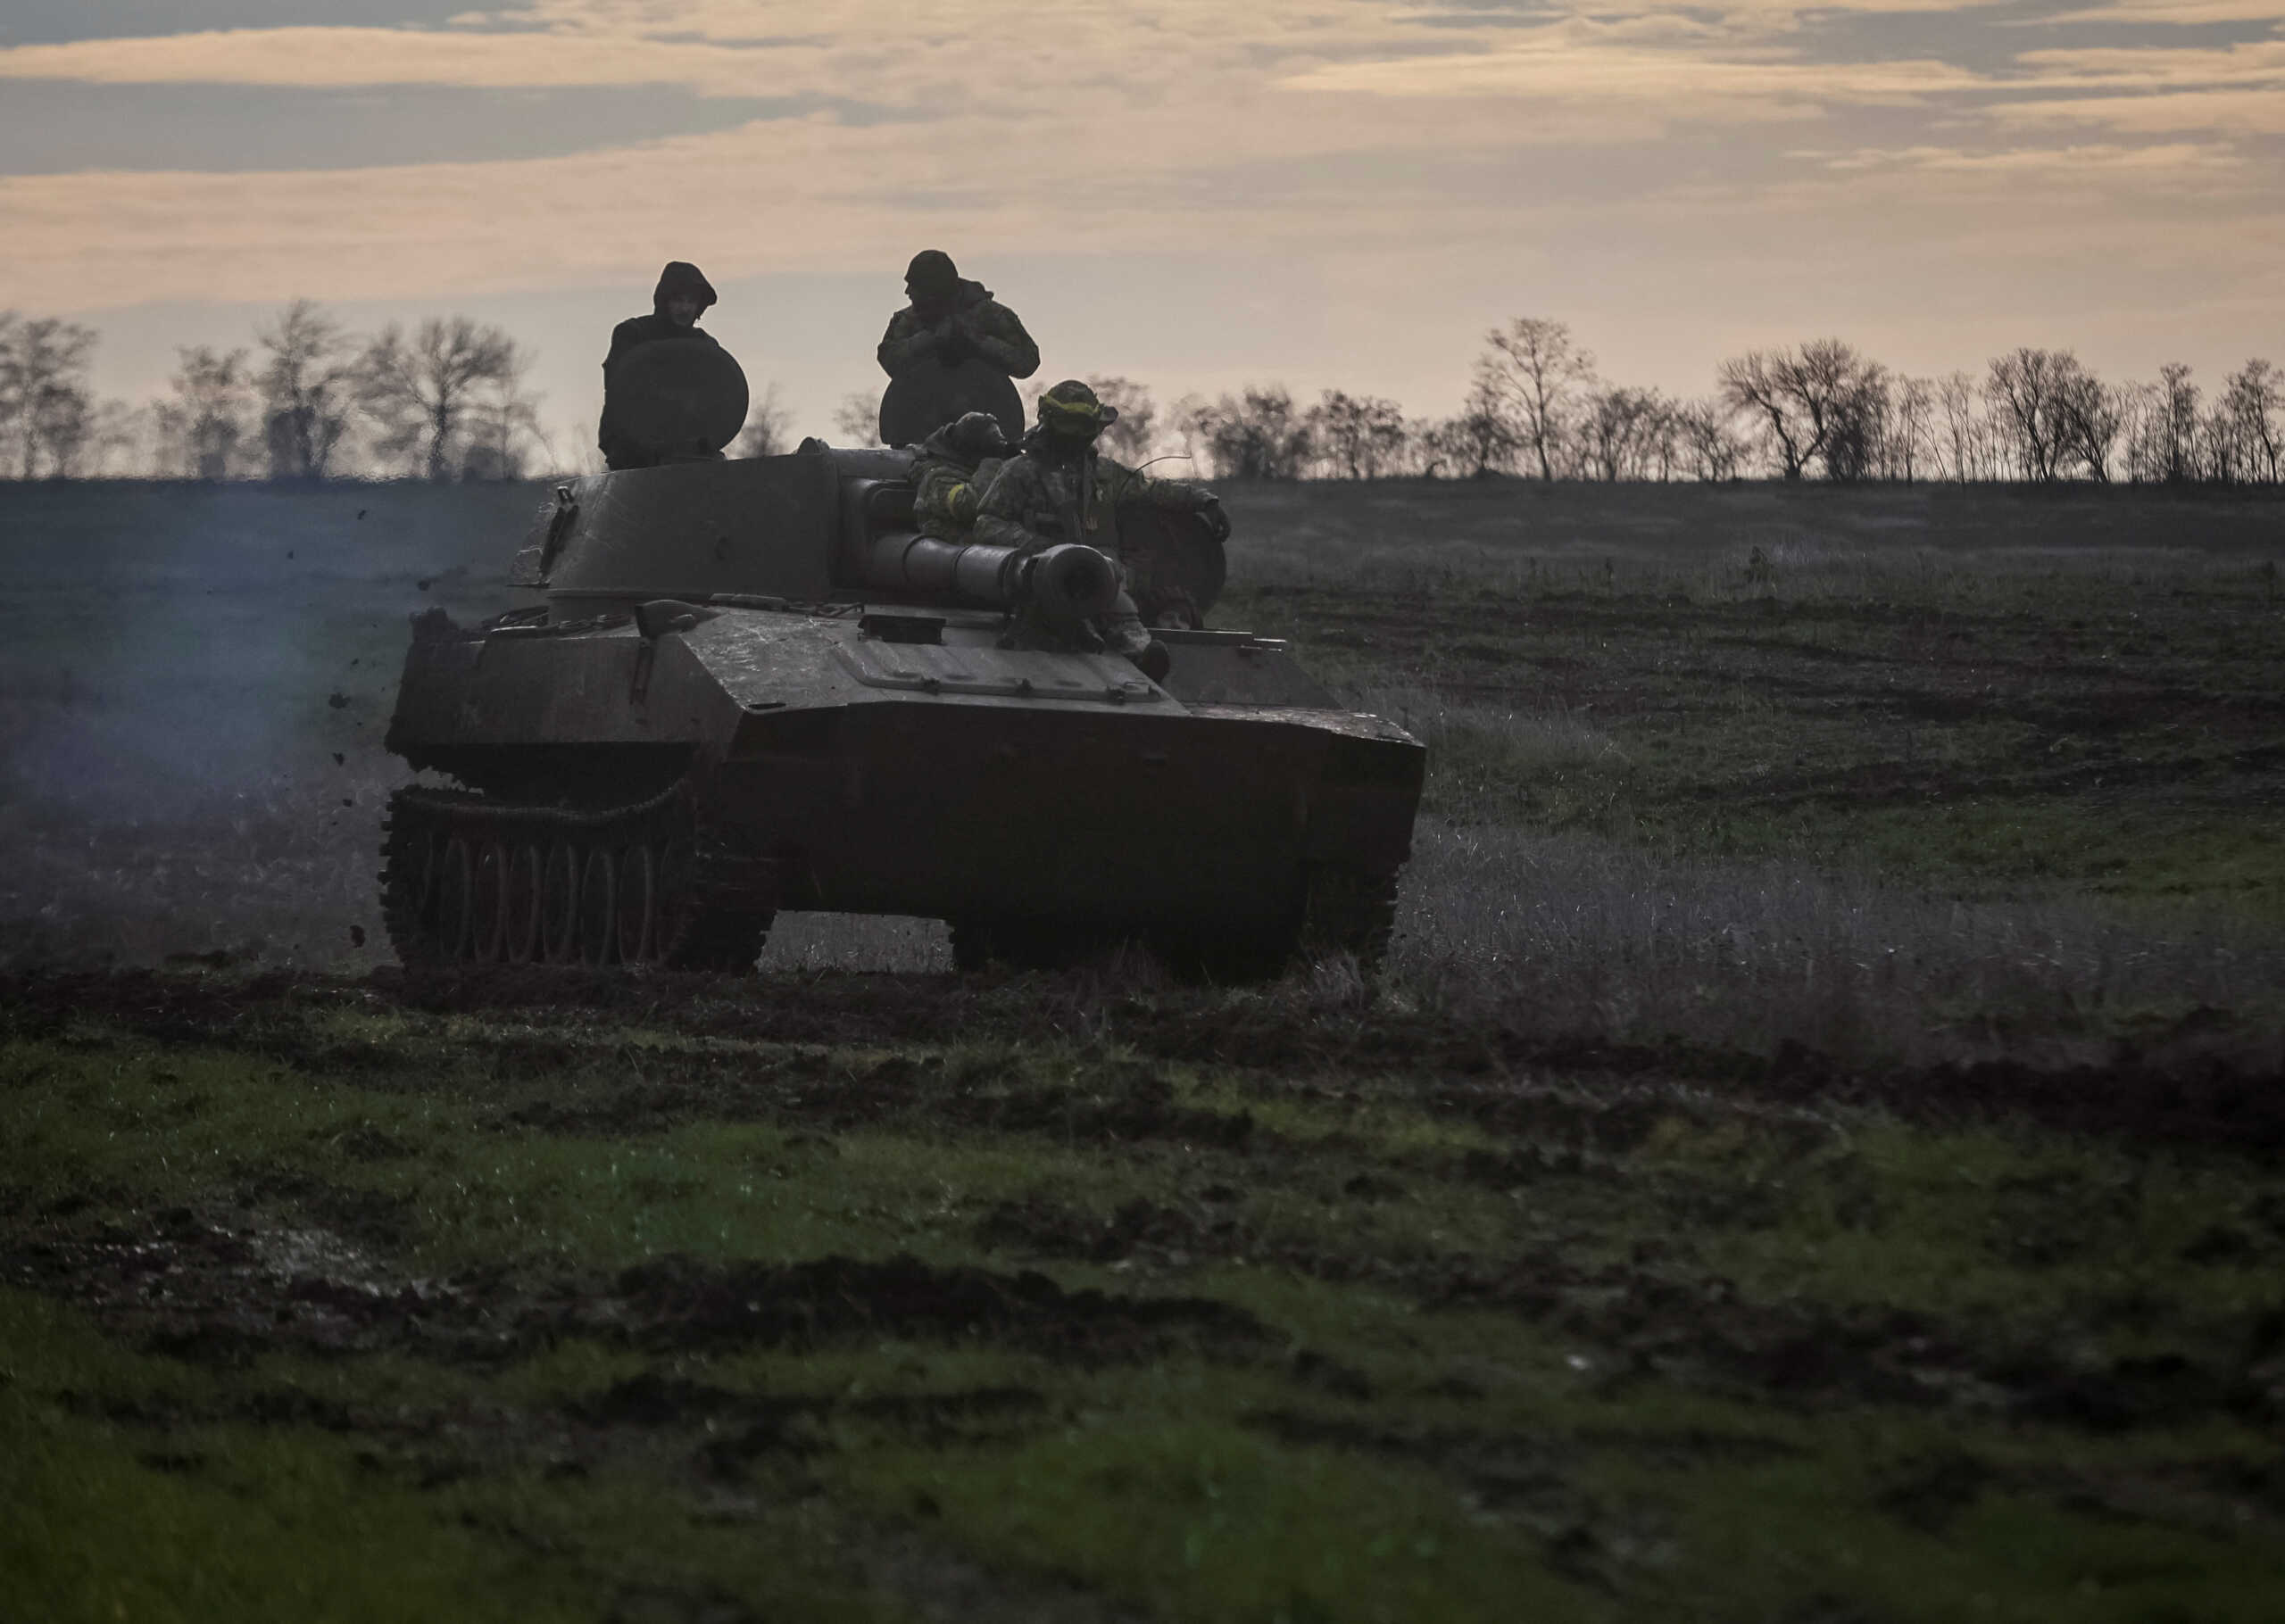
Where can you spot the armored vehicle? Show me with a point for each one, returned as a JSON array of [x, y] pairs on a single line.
[[751, 686]]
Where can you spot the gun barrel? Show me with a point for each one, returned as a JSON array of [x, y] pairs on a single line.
[[962, 572]]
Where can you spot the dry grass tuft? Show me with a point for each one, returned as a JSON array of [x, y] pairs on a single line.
[[1579, 935]]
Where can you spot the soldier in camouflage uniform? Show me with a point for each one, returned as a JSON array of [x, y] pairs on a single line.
[[956, 466], [1062, 489], [952, 319]]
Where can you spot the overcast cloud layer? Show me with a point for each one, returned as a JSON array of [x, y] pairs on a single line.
[[1933, 180]]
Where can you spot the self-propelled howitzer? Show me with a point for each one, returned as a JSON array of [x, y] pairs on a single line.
[[752, 686]]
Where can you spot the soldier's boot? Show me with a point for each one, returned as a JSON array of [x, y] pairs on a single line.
[[1124, 631], [1122, 628]]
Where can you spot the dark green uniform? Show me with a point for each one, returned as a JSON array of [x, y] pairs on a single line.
[[976, 324], [956, 466], [1049, 495]]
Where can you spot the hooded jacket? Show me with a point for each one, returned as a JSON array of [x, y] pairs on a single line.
[[679, 280]]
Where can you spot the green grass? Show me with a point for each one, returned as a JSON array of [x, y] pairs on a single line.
[[1336, 1300], [1524, 1364]]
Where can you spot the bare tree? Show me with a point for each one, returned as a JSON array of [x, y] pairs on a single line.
[[1857, 446], [204, 429], [1535, 373], [1715, 450], [2177, 424], [858, 418], [420, 391], [769, 427], [308, 386], [2091, 415], [2254, 399], [1359, 437], [1619, 433], [1481, 440], [1912, 419], [46, 404], [1254, 434], [1797, 396], [1131, 438], [502, 424], [2026, 389]]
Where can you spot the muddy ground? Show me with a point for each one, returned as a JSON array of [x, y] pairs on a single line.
[[711, 1299], [1813, 1156]]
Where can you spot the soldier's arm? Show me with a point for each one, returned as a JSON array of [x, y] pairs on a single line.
[[949, 494], [1132, 485], [906, 344], [1000, 517], [999, 338]]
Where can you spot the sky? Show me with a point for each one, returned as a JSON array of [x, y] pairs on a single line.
[[1194, 194]]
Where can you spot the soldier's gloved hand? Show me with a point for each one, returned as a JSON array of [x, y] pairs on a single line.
[[1217, 523], [953, 345]]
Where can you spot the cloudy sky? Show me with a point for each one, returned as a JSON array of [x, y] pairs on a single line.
[[1194, 193]]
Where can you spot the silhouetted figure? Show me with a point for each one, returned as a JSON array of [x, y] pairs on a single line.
[[681, 297], [953, 348]]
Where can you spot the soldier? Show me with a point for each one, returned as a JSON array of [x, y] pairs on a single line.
[[1062, 489], [681, 297], [954, 348], [956, 466], [950, 318]]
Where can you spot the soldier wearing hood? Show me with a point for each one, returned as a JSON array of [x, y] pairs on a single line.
[[950, 318], [681, 297], [1062, 489], [955, 467]]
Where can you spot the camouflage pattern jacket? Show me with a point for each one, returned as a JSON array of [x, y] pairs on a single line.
[[990, 327], [946, 494], [1038, 501]]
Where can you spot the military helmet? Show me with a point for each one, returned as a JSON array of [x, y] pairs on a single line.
[[1071, 407], [978, 435]]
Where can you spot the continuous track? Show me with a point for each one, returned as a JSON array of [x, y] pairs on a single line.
[[466, 879]]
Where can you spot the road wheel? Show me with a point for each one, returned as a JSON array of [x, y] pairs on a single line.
[[488, 902], [519, 904], [599, 907], [559, 909], [455, 915], [638, 905]]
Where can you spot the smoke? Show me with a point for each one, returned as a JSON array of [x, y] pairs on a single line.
[[195, 682]]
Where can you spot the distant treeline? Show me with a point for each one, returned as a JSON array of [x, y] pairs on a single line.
[[447, 400], [1822, 410]]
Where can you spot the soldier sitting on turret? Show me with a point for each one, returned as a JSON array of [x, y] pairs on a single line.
[[956, 466], [1062, 489], [681, 297]]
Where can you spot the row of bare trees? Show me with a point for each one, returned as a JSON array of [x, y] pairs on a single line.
[[446, 399], [1823, 410]]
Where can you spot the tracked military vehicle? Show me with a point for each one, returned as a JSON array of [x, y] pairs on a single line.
[[751, 686]]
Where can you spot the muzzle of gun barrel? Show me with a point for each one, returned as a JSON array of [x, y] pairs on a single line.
[[1072, 583]]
